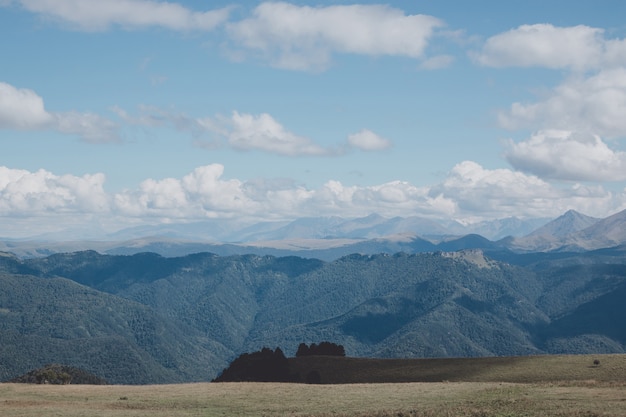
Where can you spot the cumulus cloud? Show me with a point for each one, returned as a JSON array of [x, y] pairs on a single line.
[[564, 155], [368, 141], [25, 193], [596, 104], [200, 194], [304, 38], [96, 15], [544, 45], [204, 193], [264, 133], [469, 192], [481, 194], [23, 109], [591, 99]]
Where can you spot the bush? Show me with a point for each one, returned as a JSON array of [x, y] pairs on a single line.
[[59, 374], [262, 366], [323, 349]]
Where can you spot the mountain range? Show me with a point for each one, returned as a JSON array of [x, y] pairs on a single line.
[[142, 317], [145, 318], [330, 238]]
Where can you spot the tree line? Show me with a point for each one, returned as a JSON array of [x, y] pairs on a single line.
[[267, 365]]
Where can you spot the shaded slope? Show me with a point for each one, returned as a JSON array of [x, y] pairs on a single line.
[[407, 305], [174, 319], [596, 324], [56, 320], [527, 369]]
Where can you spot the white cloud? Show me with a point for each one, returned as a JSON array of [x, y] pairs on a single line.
[[89, 127], [437, 62], [96, 15], [203, 193], [544, 45], [24, 193], [23, 109], [263, 133], [482, 194], [368, 141], [565, 155], [595, 104], [304, 38], [469, 192], [249, 132]]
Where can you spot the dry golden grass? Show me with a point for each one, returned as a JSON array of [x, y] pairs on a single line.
[[570, 386], [274, 399]]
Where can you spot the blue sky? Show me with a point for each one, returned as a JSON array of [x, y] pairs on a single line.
[[124, 112]]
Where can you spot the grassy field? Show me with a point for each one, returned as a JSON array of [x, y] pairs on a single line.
[[274, 399], [337, 370], [538, 386]]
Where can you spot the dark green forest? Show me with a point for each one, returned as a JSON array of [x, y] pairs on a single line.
[[150, 319]]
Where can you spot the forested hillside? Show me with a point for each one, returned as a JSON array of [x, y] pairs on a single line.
[[146, 318]]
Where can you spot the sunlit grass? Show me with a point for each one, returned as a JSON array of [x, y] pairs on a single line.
[[275, 399], [562, 386]]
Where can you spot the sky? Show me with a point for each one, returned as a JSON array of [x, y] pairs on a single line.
[[128, 112]]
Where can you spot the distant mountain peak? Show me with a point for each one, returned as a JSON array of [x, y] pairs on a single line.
[[566, 224], [607, 232], [573, 214]]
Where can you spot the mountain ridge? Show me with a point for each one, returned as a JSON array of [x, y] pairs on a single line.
[[184, 318], [334, 237]]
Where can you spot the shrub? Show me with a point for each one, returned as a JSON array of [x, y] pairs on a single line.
[[266, 365], [324, 348]]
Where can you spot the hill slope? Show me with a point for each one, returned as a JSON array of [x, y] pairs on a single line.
[[56, 320], [145, 318]]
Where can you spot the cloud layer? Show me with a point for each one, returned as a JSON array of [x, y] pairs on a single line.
[[570, 156], [468, 192]]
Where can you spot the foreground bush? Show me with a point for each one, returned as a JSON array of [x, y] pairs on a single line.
[[266, 365], [59, 375]]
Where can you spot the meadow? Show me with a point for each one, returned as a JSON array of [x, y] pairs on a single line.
[[588, 398], [536, 386]]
